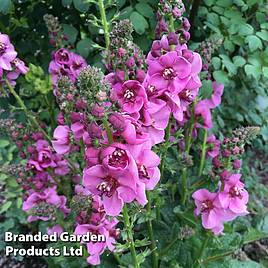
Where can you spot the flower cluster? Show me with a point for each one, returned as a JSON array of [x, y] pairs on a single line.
[[231, 198], [10, 65], [65, 63], [102, 155]]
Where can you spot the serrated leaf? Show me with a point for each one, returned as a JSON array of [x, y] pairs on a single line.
[[139, 22], [145, 10], [253, 70], [4, 143], [81, 5], [5, 207], [5, 6], [254, 42], [220, 76], [70, 32], [245, 29], [239, 61], [263, 34], [84, 47], [66, 3]]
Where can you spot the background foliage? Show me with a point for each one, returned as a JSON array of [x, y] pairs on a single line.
[[240, 61]]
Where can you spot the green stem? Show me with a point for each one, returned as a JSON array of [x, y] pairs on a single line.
[[151, 234], [130, 237], [168, 247], [108, 130], [164, 152], [171, 24], [31, 118], [204, 245], [104, 23], [203, 154], [188, 142]]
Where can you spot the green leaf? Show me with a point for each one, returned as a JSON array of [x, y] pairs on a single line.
[[5, 6], [81, 5], [253, 235], [261, 102], [66, 3], [263, 34], [145, 10], [4, 143], [206, 89], [265, 71], [84, 47], [220, 76], [239, 61], [245, 29], [5, 207], [226, 61], [71, 32], [253, 70], [216, 62], [254, 42], [264, 132], [228, 45], [139, 22]]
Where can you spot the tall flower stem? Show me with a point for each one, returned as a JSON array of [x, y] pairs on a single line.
[[188, 142], [151, 234], [130, 237], [30, 117], [165, 147], [34, 122], [201, 252], [203, 154], [108, 130], [104, 23]]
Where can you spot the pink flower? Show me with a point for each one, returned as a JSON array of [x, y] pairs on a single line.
[[213, 146], [7, 52], [147, 162], [95, 249], [118, 160], [48, 196], [234, 197], [131, 96], [114, 190], [61, 142], [170, 72], [208, 207]]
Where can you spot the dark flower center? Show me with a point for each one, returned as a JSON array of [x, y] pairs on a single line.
[[2, 48], [129, 95], [186, 95], [143, 172], [63, 56], [236, 192], [151, 90], [108, 186], [206, 206], [77, 65], [169, 74], [118, 158]]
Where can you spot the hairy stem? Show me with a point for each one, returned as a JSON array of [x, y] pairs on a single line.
[[188, 141], [151, 235], [130, 237], [30, 117], [165, 147], [203, 154], [104, 23], [203, 247], [108, 130]]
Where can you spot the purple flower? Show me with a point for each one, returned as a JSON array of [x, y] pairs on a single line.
[[234, 197], [170, 72], [48, 196], [7, 52], [213, 146], [208, 207], [131, 96], [114, 190], [61, 142]]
